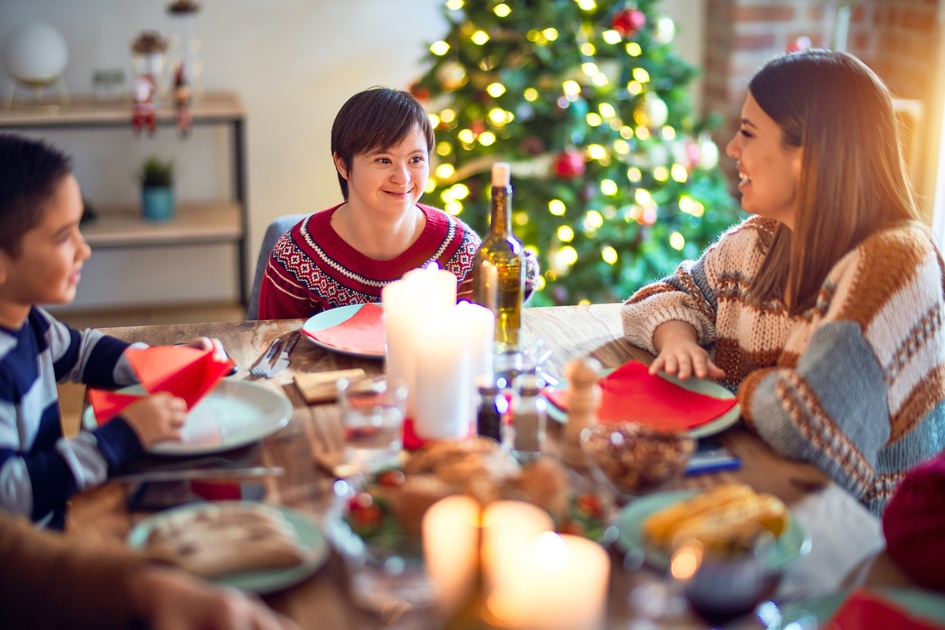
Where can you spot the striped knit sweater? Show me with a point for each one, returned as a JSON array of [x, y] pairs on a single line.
[[854, 385], [39, 468], [313, 269]]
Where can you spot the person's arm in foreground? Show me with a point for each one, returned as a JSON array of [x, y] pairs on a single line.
[[49, 581]]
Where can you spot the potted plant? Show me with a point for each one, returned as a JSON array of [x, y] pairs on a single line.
[[157, 189]]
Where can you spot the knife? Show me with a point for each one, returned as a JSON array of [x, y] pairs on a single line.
[[201, 473], [283, 361]]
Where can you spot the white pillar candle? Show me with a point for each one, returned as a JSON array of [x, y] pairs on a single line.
[[444, 378], [409, 303], [481, 331], [450, 531], [439, 285]]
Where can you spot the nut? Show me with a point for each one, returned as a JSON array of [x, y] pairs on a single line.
[[633, 456]]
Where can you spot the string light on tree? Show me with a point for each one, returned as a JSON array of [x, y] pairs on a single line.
[[614, 175]]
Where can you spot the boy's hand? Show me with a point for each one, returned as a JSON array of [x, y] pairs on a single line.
[[156, 418], [206, 343], [680, 354]]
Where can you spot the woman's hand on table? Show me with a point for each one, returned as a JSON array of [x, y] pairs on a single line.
[[156, 418], [169, 599], [680, 354]]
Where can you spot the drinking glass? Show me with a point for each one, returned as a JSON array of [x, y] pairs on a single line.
[[721, 585], [372, 414], [532, 272]]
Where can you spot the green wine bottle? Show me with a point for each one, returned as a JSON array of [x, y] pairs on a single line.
[[499, 270]]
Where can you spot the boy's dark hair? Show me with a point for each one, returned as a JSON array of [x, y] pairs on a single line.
[[377, 118], [30, 170]]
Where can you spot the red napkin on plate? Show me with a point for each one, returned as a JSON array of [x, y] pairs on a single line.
[[631, 394], [363, 332], [868, 610], [183, 371]]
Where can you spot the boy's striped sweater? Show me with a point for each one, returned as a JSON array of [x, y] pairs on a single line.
[[855, 384]]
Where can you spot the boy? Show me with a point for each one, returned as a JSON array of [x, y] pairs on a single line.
[[41, 257]]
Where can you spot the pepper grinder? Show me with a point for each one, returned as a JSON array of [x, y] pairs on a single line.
[[583, 396]]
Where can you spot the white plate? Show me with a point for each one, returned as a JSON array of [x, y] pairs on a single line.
[[233, 414], [333, 317], [793, 542], [268, 581], [698, 385]]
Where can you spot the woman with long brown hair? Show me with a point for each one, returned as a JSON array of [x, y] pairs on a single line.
[[823, 311]]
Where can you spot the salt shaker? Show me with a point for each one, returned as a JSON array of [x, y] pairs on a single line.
[[583, 396], [525, 436]]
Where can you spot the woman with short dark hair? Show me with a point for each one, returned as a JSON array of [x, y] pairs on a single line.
[[380, 143]]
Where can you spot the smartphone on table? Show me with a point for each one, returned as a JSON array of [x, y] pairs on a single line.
[[712, 456]]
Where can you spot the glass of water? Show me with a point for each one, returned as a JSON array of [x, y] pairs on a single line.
[[372, 414]]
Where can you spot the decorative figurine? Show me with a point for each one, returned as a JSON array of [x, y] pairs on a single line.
[[148, 51], [182, 99]]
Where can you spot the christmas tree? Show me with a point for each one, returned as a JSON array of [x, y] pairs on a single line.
[[615, 181]]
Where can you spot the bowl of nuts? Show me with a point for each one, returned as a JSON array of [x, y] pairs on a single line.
[[630, 457]]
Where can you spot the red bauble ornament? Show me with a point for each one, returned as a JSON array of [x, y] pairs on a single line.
[[421, 93], [569, 164], [477, 127], [629, 21]]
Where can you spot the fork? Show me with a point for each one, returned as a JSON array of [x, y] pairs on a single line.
[[263, 367]]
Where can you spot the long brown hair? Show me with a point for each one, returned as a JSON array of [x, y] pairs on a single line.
[[853, 179]]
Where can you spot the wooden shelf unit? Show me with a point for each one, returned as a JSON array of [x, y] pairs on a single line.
[[194, 223]]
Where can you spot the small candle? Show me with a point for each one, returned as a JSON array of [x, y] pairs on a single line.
[[450, 531]]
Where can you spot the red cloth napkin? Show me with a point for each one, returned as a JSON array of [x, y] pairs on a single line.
[[363, 332], [631, 394], [412, 441], [186, 372], [867, 610]]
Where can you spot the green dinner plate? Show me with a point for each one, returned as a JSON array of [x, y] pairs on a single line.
[[925, 604], [698, 385], [793, 542], [261, 582]]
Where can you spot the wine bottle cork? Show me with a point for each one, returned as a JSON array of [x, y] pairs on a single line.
[[501, 174], [583, 396]]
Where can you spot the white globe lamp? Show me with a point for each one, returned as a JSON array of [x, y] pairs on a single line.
[[35, 56]]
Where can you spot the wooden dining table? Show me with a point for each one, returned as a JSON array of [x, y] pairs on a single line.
[[846, 540]]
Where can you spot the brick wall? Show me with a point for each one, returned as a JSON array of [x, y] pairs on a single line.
[[899, 39]]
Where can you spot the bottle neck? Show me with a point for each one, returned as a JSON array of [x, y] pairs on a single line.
[[500, 222]]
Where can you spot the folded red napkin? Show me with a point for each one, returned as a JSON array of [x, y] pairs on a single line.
[[186, 372], [631, 394], [363, 332], [868, 610], [412, 441]]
